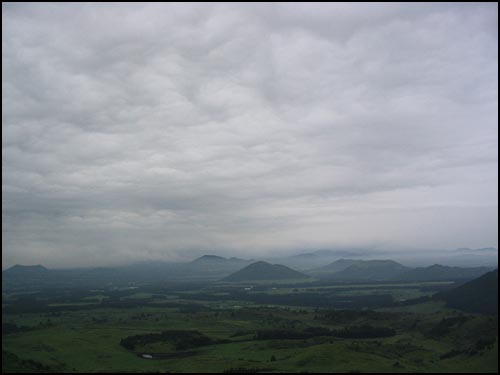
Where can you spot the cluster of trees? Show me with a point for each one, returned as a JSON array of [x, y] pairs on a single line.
[[445, 325], [180, 338], [279, 334], [414, 301], [342, 316], [12, 363], [8, 328], [244, 370], [352, 332], [241, 333], [32, 305], [301, 299], [364, 331], [480, 345]]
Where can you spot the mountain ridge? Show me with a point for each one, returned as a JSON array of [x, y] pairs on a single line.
[[264, 271], [479, 295]]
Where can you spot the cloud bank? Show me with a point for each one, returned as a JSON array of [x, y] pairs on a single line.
[[159, 131]]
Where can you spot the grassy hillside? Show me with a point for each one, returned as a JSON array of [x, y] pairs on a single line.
[[479, 295]]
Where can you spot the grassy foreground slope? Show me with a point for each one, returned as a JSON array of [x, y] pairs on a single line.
[[479, 295], [221, 328]]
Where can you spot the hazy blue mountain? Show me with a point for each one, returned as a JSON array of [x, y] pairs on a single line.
[[461, 257], [264, 271], [345, 252], [479, 295], [26, 270], [209, 259], [214, 263], [213, 267], [207, 267], [354, 269], [439, 272], [302, 261], [373, 270], [22, 276], [338, 265], [316, 259], [481, 250]]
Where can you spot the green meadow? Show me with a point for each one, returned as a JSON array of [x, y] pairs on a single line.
[[211, 330]]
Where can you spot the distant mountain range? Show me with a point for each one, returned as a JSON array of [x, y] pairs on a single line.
[[338, 265], [377, 270], [481, 250], [214, 267], [438, 272], [461, 257], [306, 261], [207, 267], [216, 262], [371, 270], [26, 270], [356, 269], [260, 271]]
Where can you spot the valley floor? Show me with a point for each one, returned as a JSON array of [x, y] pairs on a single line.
[[120, 331]]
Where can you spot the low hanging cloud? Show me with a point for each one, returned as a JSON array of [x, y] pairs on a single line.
[[164, 131]]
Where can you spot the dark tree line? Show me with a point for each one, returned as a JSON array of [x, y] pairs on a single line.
[[301, 299], [8, 328], [353, 332], [364, 331], [181, 339]]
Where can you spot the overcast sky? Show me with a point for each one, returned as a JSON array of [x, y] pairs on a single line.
[[165, 131]]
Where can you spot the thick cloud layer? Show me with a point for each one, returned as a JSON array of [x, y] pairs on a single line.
[[163, 131]]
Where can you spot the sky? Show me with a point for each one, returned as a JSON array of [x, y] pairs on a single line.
[[147, 131]]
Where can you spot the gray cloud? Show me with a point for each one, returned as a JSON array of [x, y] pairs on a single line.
[[135, 131]]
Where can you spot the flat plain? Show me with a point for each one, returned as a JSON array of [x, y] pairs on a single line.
[[244, 327]]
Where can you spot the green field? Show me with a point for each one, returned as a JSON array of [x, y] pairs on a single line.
[[82, 332]]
